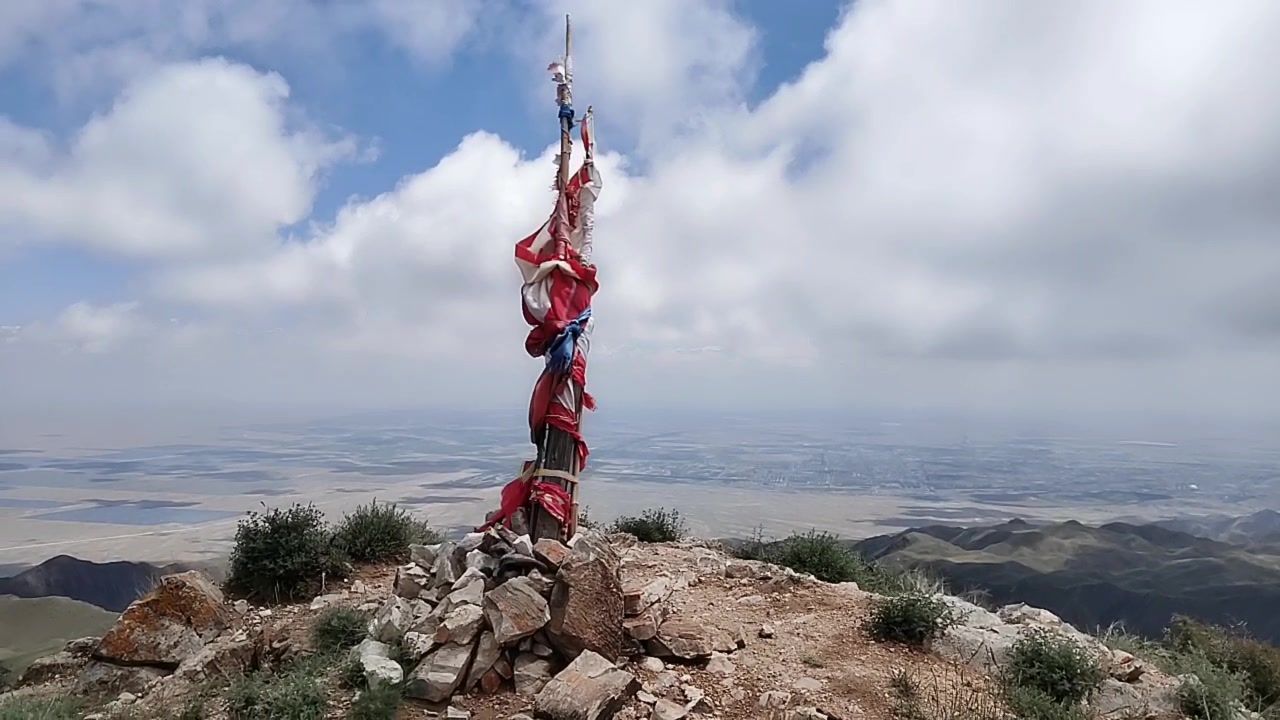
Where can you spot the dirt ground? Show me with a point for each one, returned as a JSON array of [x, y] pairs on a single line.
[[818, 651]]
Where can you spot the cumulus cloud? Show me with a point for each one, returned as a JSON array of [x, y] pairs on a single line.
[[195, 158], [999, 204]]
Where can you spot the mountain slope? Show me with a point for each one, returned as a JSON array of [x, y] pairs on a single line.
[[34, 627], [110, 586], [1262, 527], [1140, 575]]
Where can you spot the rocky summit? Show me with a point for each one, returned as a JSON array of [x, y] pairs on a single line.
[[493, 627]]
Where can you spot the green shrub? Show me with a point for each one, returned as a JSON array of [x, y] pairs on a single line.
[[377, 703], [823, 556], [41, 708], [1052, 665], [377, 532], [283, 555], [339, 629], [1256, 662], [913, 619], [653, 526], [1032, 704], [818, 554], [295, 695], [1209, 692]]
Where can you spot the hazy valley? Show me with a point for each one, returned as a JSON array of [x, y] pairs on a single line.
[[1168, 524]]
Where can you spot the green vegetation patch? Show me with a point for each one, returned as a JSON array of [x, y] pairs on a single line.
[[339, 629], [283, 555], [1256, 663], [912, 619], [825, 557], [295, 695], [653, 526], [1047, 666], [380, 532], [47, 708]]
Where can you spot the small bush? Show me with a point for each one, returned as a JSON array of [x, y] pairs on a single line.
[[41, 708], [1052, 665], [913, 619], [296, 695], [653, 526], [1209, 692], [377, 703], [376, 532], [818, 554], [283, 555], [1032, 704], [339, 629], [823, 556], [1256, 662]]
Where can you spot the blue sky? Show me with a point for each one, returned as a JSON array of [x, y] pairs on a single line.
[[898, 203], [416, 113]]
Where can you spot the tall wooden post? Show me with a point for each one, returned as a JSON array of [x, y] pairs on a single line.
[[558, 449], [564, 94]]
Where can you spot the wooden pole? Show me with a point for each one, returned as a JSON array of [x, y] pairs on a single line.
[[559, 449], [565, 96]]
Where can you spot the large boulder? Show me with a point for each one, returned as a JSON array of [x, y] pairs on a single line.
[[239, 653], [167, 625], [439, 674], [586, 602], [687, 640], [530, 674], [591, 688], [460, 625], [515, 610]]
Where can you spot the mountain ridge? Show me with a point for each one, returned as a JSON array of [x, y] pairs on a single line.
[[1136, 575], [110, 585]]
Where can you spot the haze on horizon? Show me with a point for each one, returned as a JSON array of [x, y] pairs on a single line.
[[1031, 210]]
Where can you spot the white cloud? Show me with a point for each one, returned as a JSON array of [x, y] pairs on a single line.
[[98, 329], [994, 204], [664, 66], [194, 159]]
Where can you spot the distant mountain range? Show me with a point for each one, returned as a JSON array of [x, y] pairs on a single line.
[[1140, 575], [1259, 529], [110, 586]]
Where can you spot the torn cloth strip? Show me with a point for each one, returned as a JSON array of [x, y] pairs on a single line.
[[517, 494], [559, 283]]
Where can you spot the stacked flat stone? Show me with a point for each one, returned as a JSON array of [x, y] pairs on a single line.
[[494, 610]]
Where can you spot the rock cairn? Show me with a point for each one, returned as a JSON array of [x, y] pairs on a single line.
[[495, 610]]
